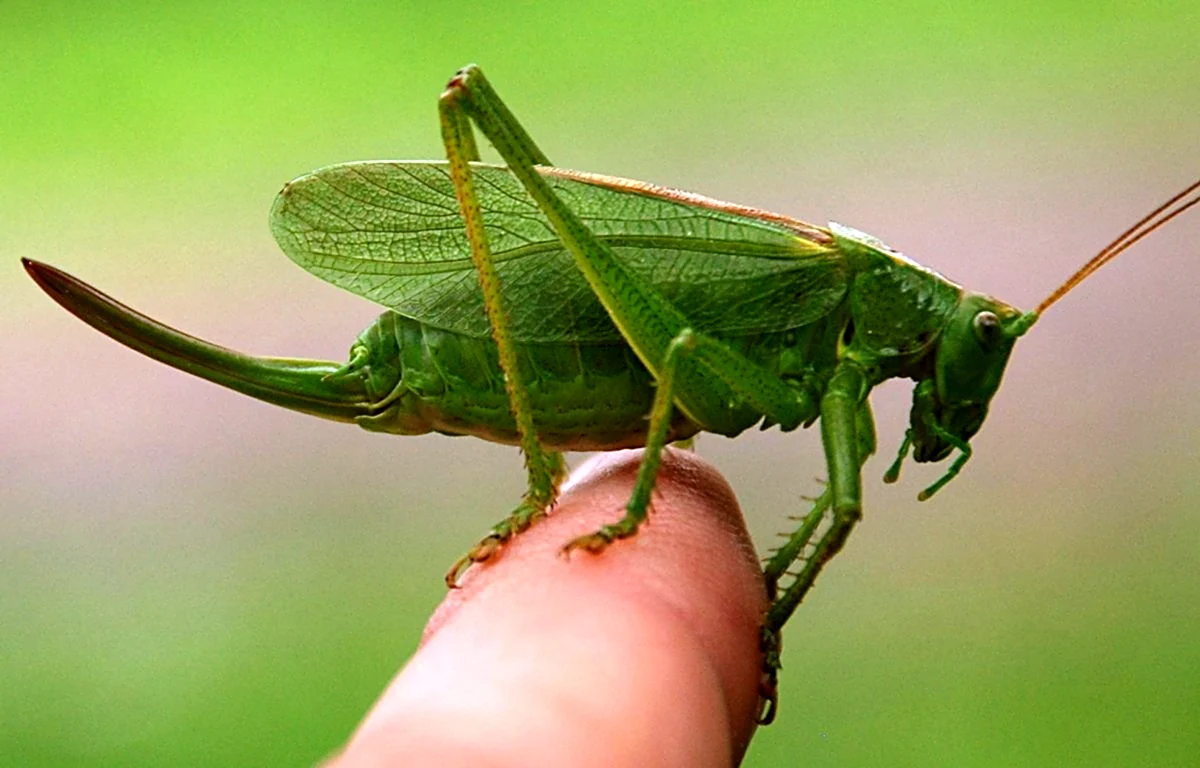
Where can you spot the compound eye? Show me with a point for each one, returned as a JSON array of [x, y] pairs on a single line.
[[987, 328]]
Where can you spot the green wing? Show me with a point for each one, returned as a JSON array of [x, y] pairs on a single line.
[[391, 232]]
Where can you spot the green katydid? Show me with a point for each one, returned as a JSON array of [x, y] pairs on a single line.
[[561, 311]]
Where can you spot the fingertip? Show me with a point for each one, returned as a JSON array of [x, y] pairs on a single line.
[[652, 644]]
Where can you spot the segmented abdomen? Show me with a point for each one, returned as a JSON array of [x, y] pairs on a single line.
[[421, 379]]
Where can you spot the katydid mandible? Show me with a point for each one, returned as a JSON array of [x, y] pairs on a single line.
[[560, 310]]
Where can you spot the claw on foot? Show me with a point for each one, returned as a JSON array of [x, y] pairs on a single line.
[[770, 643], [519, 521], [593, 542], [598, 541], [768, 694], [480, 552]]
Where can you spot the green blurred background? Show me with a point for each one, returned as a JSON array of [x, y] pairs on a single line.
[[188, 577]]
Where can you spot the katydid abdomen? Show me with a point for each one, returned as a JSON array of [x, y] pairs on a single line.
[[419, 379]]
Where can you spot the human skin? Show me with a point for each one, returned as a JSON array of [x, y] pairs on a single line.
[[647, 654]]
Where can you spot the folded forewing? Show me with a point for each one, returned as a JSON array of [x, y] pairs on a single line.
[[391, 232]]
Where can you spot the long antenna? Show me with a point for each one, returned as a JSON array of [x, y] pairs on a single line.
[[1152, 221]]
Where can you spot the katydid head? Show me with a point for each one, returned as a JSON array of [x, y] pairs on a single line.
[[969, 362], [949, 408]]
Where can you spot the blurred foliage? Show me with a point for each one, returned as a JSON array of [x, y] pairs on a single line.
[[186, 579]]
